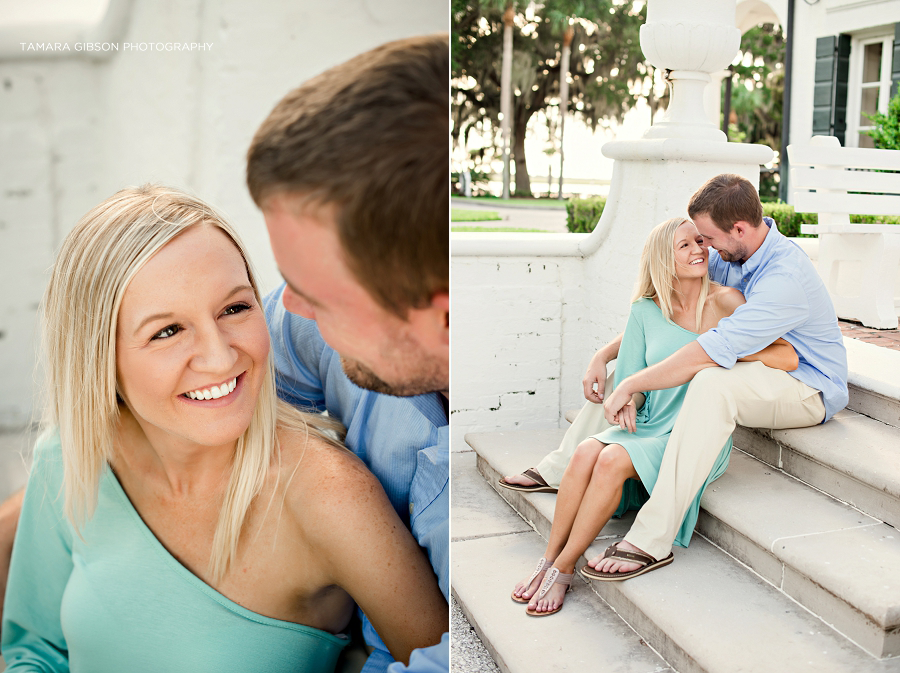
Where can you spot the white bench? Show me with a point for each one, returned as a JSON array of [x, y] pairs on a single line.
[[858, 262]]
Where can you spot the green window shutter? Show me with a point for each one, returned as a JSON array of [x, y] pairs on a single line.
[[895, 61], [830, 94]]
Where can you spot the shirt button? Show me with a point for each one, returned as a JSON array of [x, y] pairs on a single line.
[[411, 507]]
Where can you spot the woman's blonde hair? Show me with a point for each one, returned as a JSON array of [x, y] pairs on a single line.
[[656, 278], [95, 265]]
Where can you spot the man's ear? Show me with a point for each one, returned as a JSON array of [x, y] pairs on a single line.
[[431, 324], [741, 226], [441, 302]]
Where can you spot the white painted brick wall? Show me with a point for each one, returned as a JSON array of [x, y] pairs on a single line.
[[73, 131]]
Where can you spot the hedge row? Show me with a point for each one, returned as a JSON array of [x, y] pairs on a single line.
[[583, 215]]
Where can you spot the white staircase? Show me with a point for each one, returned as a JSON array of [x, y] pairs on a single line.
[[795, 564]]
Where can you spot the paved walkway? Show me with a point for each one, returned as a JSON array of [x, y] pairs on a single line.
[[519, 216], [886, 338]]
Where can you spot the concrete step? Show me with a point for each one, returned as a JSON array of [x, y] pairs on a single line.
[[807, 554], [491, 548], [834, 560], [873, 381], [705, 612], [852, 457]]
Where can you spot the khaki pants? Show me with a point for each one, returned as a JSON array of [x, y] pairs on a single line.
[[590, 421], [751, 394]]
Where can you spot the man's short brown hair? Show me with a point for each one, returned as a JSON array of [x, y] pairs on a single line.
[[726, 199], [370, 136]]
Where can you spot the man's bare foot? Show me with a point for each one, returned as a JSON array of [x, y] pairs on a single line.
[[520, 480], [611, 565], [552, 600]]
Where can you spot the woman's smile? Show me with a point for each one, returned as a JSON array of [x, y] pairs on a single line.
[[215, 396]]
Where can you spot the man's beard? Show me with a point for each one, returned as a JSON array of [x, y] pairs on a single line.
[[427, 381], [739, 254]]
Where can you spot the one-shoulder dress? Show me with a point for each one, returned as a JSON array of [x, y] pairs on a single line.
[[649, 338], [113, 599]]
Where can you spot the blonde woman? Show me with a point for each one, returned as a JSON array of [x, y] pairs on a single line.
[[613, 471], [178, 517]]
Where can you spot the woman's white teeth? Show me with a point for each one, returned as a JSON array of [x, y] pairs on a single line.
[[213, 393]]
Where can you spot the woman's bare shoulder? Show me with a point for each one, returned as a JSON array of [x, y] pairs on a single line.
[[727, 299], [320, 478], [316, 459]]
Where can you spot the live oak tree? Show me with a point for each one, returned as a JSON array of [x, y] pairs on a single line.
[[607, 69]]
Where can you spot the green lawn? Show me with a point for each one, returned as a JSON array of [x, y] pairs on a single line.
[[507, 229], [531, 203], [460, 215]]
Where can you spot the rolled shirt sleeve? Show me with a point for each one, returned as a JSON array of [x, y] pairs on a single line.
[[777, 305]]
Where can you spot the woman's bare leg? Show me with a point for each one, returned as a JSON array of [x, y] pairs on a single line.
[[598, 503], [571, 490]]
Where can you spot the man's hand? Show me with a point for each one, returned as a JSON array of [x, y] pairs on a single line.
[[627, 416], [616, 402]]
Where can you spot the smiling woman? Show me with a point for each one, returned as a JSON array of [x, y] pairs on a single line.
[[203, 522]]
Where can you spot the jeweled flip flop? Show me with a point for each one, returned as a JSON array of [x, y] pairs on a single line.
[[647, 563], [541, 566], [553, 576]]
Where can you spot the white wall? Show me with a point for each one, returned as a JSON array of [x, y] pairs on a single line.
[[73, 130]]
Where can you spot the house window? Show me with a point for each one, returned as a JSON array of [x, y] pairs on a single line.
[[869, 86]]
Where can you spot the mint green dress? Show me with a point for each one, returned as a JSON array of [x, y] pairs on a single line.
[[649, 338], [115, 601]]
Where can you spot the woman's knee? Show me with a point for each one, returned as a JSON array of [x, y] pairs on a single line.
[[586, 453], [613, 462]]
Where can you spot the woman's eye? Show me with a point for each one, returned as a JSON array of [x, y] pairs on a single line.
[[166, 332], [236, 308]]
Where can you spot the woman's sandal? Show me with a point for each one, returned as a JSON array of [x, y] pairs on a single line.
[[542, 565], [539, 485], [552, 577], [646, 562]]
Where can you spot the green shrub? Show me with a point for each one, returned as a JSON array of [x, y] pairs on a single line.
[[787, 219], [583, 214], [875, 219], [886, 133]]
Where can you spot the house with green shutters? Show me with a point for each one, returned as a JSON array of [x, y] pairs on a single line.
[[846, 64]]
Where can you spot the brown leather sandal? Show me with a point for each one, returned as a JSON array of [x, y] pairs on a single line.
[[540, 486], [646, 562]]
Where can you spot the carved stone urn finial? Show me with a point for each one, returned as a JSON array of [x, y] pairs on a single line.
[[689, 41]]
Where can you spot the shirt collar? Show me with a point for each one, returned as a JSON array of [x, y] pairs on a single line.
[[433, 406], [758, 257]]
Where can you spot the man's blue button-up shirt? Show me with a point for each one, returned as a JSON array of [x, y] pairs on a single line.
[[785, 298], [404, 441]]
